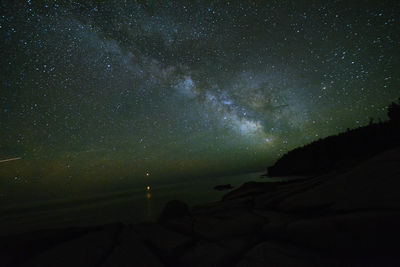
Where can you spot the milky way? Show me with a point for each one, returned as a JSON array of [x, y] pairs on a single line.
[[111, 90]]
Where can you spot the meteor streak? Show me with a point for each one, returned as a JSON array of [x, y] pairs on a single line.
[[10, 159]]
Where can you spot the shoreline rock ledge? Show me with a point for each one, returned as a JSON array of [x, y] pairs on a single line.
[[350, 218]]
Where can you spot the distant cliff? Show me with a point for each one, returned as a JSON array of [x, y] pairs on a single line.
[[342, 150]]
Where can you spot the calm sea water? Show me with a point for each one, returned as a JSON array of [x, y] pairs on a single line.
[[128, 207]]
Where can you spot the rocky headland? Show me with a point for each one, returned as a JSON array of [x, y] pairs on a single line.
[[337, 152]]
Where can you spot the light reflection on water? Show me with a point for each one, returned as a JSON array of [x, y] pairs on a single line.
[[134, 207], [149, 210]]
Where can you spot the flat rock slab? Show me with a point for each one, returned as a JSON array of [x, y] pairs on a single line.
[[277, 255], [223, 206], [161, 239], [206, 254], [88, 250], [130, 251], [373, 184], [250, 189], [212, 228], [183, 225], [351, 235], [17, 248], [240, 245], [275, 228]]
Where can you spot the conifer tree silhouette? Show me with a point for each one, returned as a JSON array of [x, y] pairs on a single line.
[[394, 111]]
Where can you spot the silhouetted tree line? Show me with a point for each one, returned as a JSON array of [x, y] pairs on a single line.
[[343, 150], [394, 111]]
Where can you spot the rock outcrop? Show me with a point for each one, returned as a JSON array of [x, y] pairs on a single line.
[[341, 151], [223, 187], [349, 218]]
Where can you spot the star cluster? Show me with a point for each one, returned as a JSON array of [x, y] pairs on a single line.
[[112, 89]]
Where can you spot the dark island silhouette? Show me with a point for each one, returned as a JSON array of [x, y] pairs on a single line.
[[345, 213]]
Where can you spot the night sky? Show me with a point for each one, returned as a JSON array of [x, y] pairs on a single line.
[[99, 94]]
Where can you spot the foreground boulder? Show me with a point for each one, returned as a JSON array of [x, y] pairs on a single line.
[[174, 209]]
